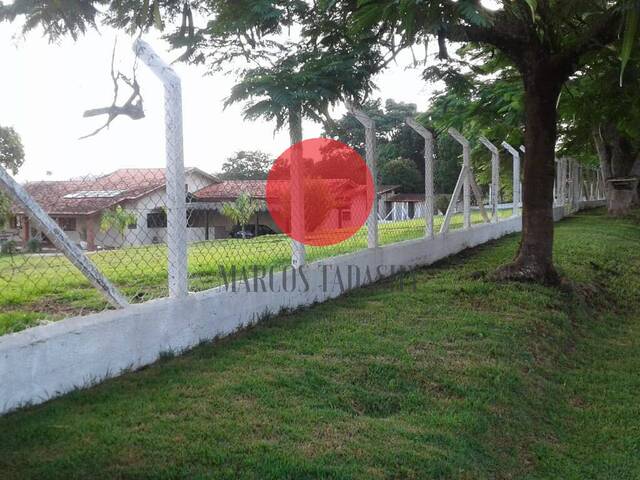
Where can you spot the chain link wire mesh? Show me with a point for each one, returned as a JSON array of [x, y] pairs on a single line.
[[119, 219]]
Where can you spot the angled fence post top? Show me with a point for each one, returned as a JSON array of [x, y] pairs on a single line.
[[511, 150], [362, 117], [522, 149], [158, 66], [419, 129], [370, 157], [175, 175], [461, 139], [490, 146], [429, 198]]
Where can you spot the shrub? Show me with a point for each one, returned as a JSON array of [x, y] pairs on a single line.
[[404, 173], [442, 202], [34, 245], [9, 247]]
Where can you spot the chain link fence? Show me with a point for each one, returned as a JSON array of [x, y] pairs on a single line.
[[134, 234], [120, 220]]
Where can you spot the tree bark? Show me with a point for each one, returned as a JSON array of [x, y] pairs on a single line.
[[295, 125], [534, 260], [618, 160]]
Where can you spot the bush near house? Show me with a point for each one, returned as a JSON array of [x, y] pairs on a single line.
[[9, 247], [34, 245]]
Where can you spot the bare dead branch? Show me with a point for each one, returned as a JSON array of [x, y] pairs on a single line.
[[132, 108]]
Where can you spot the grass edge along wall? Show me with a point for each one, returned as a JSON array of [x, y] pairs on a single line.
[[47, 361]]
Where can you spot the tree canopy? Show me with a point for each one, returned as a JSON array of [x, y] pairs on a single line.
[[11, 149], [11, 158], [246, 165]]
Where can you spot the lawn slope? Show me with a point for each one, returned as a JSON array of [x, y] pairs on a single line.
[[457, 378]]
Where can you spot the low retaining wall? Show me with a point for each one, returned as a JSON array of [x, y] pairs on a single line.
[[47, 361]]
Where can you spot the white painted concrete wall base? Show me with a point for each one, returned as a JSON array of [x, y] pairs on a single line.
[[47, 361]]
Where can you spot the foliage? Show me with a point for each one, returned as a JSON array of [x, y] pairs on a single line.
[[118, 219], [241, 210], [9, 247], [404, 173], [299, 84], [34, 245], [246, 165], [11, 149], [595, 107], [5, 210], [395, 139], [11, 158], [483, 96], [442, 202]]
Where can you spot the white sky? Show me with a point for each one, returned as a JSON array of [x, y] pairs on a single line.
[[44, 89]]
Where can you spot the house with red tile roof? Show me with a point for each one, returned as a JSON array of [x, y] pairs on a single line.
[[78, 206]]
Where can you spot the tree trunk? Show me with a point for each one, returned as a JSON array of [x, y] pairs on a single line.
[[295, 125], [619, 163], [534, 260]]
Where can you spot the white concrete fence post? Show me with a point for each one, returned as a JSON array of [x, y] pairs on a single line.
[[298, 249], [429, 193], [174, 173], [556, 184], [495, 177], [466, 180], [60, 239], [516, 177], [577, 180], [562, 187], [370, 158], [466, 166]]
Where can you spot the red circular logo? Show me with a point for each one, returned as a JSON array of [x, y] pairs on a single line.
[[320, 192]]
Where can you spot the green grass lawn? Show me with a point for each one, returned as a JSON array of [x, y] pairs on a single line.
[[458, 378], [45, 287]]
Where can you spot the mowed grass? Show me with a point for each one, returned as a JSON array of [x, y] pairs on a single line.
[[460, 377], [36, 288]]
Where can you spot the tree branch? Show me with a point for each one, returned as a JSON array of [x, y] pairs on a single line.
[[602, 33], [132, 108]]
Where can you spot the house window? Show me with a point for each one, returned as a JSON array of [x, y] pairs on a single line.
[[68, 224], [133, 225], [157, 219]]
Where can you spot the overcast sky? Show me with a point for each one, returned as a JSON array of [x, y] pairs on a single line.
[[46, 87]]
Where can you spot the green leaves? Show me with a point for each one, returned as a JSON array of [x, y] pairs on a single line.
[[632, 19], [11, 150], [469, 11], [533, 5], [241, 210], [118, 219]]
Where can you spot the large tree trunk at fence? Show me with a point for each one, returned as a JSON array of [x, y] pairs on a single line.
[[618, 160], [534, 260]]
